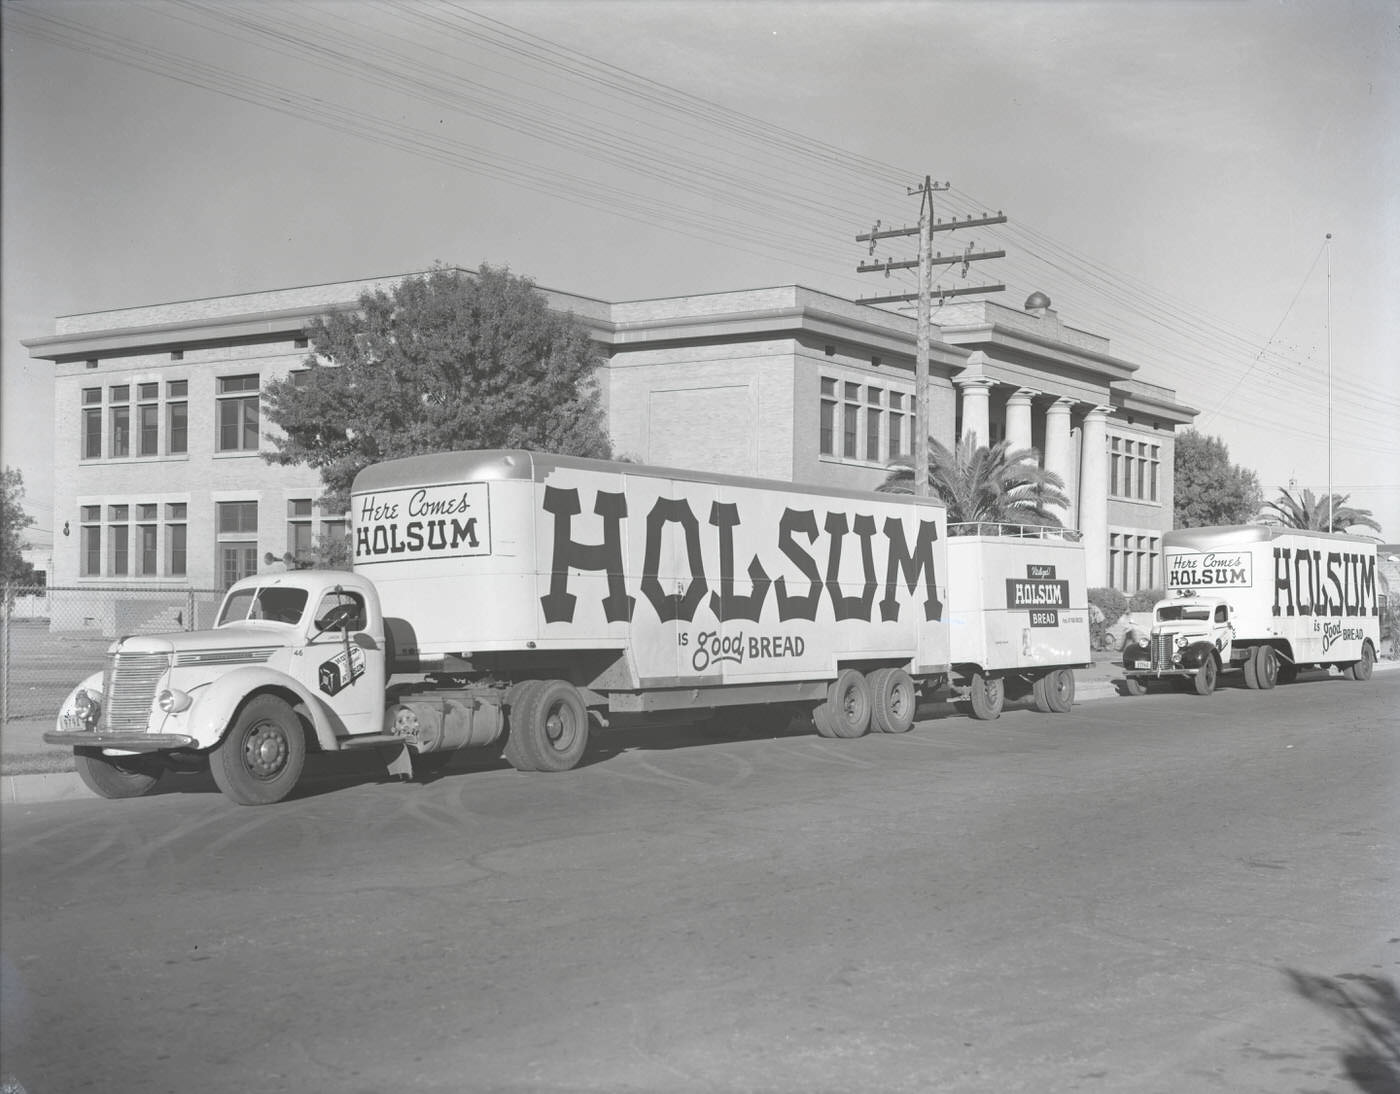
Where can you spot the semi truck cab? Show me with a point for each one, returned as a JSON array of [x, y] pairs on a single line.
[[1192, 638]]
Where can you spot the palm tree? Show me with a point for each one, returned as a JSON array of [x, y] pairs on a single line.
[[992, 485], [1311, 514]]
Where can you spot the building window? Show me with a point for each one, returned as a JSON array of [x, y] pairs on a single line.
[[175, 539], [866, 423], [91, 532], [119, 409], [896, 425], [148, 420], [118, 532], [299, 538], [1132, 560], [238, 414], [92, 423], [1134, 469], [828, 419], [850, 421], [237, 532], [873, 398], [177, 417]]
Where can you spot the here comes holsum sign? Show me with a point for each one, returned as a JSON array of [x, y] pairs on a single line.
[[1039, 593], [429, 522]]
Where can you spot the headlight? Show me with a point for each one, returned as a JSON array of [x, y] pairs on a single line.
[[1181, 641], [172, 701], [88, 709]]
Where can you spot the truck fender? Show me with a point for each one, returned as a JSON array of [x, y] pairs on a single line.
[[1196, 654], [216, 704]]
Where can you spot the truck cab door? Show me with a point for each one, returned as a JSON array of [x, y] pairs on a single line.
[[343, 663], [1222, 631]]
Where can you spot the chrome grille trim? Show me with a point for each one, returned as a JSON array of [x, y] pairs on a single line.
[[131, 690], [1162, 647], [225, 657]]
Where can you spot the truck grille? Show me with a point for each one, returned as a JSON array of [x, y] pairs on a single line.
[[1162, 647], [131, 689]]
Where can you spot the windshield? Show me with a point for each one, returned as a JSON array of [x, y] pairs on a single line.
[[1197, 613], [277, 605]]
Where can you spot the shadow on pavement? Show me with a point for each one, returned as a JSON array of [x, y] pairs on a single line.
[[1368, 1008]]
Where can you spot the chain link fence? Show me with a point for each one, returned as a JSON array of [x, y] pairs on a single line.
[[51, 638]]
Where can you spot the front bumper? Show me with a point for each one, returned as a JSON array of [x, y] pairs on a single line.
[[123, 742]]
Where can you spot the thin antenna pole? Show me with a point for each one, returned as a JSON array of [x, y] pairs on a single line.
[[1329, 382]]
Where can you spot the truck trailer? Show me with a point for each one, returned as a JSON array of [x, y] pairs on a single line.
[[520, 599], [1261, 601]]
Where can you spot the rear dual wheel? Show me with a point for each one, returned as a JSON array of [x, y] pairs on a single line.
[[548, 727], [1261, 668], [846, 712]]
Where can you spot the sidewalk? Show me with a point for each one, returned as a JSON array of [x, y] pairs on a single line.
[[23, 740]]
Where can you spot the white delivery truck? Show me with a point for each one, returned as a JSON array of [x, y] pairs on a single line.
[[516, 596], [1263, 600]]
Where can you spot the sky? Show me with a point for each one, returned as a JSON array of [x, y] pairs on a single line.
[[1170, 172]]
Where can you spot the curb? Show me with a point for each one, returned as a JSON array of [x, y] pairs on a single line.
[[49, 787]]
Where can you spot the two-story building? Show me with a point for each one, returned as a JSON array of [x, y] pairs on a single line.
[[159, 475]]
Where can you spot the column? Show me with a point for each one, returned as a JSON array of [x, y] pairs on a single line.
[[1018, 419], [976, 397], [1058, 457], [1093, 495]]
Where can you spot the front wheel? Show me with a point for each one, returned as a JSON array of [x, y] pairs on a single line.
[[1133, 686], [1054, 692], [116, 776], [987, 696], [261, 758], [1361, 670], [1204, 680]]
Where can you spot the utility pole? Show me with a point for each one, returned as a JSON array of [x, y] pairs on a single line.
[[925, 263]]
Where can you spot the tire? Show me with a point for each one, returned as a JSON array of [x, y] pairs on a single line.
[[1287, 672], [548, 727], [260, 759], [516, 750], [846, 712], [892, 701], [1266, 666], [987, 696], [1133, 686], [1362, 669], [1250, 668], [1054, 692], [116, 776], [1204, 680]]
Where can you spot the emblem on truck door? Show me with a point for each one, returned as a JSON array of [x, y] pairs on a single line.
[[342, 670]]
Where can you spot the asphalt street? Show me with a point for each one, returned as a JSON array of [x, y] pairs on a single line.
[[1166, 893]]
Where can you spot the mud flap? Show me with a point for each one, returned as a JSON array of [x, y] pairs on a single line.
[[398, 761]]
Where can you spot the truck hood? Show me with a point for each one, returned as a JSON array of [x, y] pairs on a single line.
[[241, 641]]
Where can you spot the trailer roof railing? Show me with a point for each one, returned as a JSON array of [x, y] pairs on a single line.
[[1022, 531]]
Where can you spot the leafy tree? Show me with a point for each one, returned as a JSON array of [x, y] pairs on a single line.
[[447, 360], [1210, 490], [13, 521], [977, 483], [1311, 513]]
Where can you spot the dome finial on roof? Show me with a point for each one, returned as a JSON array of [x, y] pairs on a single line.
[[1037, 301]]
